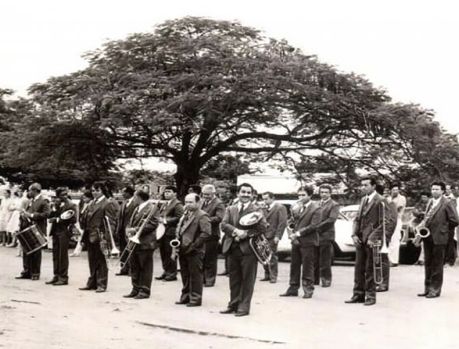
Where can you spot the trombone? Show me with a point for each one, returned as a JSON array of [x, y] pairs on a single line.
[[380, 248], [114, 251]]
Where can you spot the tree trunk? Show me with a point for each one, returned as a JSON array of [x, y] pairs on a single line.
[[187, 174]]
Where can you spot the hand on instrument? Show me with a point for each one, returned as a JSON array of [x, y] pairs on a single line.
[[130, 232], [357, 241], [276, 240]]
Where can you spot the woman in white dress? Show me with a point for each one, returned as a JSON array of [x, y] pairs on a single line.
[[17, 204], [5, 215]]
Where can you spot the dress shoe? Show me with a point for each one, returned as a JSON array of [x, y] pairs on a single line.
[[86, 288], [265, 279], [382, 289], [241, 313], [272, 281], [326, 284], [100, 289], [228, 311], [209, 285], [60, 283], [355, 299], [423, 294], [122, 273], [307, 295], [289, 294], [52, 281], [193, 304], [35, 278], [370, 301], [182, 302], [141, 295], [432, 295], [393, 265], [131, 295], [22, 277], [161, 277], [170, 278], [223, 273]]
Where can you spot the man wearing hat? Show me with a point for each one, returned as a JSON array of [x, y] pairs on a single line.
[[63, 216], [36, 213]]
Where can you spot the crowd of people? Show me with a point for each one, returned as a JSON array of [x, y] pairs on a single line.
[[188, 233]]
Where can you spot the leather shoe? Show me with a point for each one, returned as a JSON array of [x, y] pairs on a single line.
[[423, 294], [432, 295], [289, 294], [141, 295], [264, 279], [382, 289], [355, 299], [131, 295], [369, 301], [182, 302], [223, 273], [272, 281], [22, 277], [35, 278], [228, 311], [60, 283], [209, 285], [100, 289], [241, 313], [86, 288], [122, 273], [52, 281], [307, 295], [326, 284], [170, 278], [193, 304], [161, 277]]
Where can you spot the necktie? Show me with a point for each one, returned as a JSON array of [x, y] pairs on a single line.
[[241, 211], [365, 203]]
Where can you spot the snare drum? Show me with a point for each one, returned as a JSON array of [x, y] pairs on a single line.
[[31, 239]]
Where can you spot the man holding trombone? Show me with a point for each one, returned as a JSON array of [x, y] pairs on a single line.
[[142, 234], [368, 232]]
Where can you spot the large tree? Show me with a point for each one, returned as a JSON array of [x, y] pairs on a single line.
[[195, 88]]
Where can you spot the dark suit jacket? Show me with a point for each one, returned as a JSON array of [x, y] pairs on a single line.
[[193, 232], [148, 234], [216, 210], [124, 216], [95, 216], [368, 224], [276, 218], [328, 214], [231, 221], [305, 223], [40, 211], [442, 220], [172, 212], [61, 226]]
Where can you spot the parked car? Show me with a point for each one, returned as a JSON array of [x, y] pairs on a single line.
[[343, 246]]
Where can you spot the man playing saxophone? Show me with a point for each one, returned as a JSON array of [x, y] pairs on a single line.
[[142, 225]]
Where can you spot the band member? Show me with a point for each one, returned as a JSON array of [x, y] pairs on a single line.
[[367, 231], [124, 217], [214, 207], [400, 202], [62, 219], [451, 248], [305, 239], [440, 218], [96, 237], [242, 262], [328, 213], [276, 217], [170, 214], [193, 230], [83, 205], [141, 261], [36, 213]]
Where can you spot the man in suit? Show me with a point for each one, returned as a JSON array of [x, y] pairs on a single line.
[[128, 207], [141, 260], [367, 232], [451, 248], [193, 230], [305, 239], [242, 262], [170, 215], [36, 213], [214, 207], [276, 217], [101, 212], [440, 219], [61, 231], [328, 213]]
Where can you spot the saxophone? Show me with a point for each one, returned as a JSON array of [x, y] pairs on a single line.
[[421, 230]]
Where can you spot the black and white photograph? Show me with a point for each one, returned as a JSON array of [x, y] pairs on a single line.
[[221, 174]]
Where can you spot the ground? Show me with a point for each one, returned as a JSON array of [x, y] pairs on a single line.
[[35, 315]]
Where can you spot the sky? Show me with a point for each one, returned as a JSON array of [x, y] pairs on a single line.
[[407, 47]]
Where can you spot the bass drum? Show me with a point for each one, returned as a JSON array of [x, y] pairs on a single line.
[[31, 239]]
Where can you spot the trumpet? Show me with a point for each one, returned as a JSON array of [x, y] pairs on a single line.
[[380, 248]]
